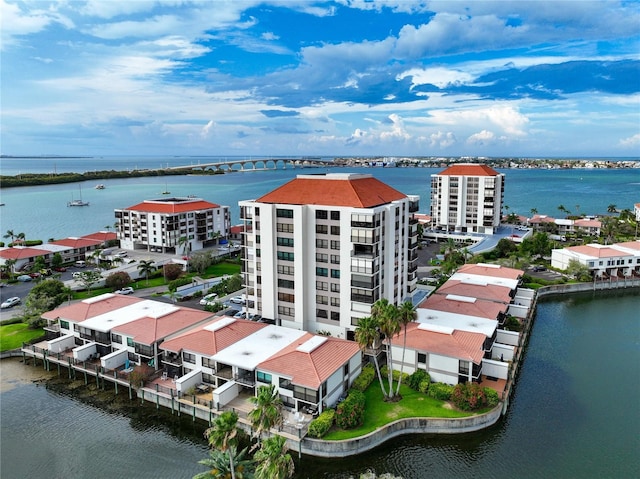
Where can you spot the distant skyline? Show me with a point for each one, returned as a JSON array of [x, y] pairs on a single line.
[[342, 78]]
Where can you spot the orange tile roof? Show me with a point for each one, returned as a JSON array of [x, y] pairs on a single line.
[[490, 292], [479, 308], [311, 369], [596, 252], [630, 244], [102, 236], [83, 242], [172, 207], [490, 270], [206, 342], [22, 253], [148, 330], [83, 310], [356, 191], [459, 344], [469, 170]]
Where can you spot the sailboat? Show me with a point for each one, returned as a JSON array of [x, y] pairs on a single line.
[[78, 202], [166, 189]]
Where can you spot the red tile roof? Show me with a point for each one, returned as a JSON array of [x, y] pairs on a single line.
[[311, 369], [463, 345], [357, 191], [490, 292], [207, 342], [83, 242], [479, 308], [172, 207], [469, 170], [102, 236], [84, 310], [22, 253], [598, 252], [491, 270], [148, 330]]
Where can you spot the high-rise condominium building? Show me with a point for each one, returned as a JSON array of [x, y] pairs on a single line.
[[172, 225], [467, 198], [321, 249]]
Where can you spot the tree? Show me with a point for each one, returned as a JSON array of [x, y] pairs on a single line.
[[8, 267], [562, 209], [534, 211], [578, 270], [274, 462], [10, 234], [146, 267], [172, 271], [610, 209], [367, 335], [223, 435], [608, 228], [56, 260], [387, 316], [218, 464], [267, 411], [95, 256], [118, 280], [200, 261], [45, 296], [88, 279], [406, 315], [185, 244]]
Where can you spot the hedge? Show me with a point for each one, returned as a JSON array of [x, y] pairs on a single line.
[[321, 425], [415, 380], [440, 391], [366, 377], [350, 412]]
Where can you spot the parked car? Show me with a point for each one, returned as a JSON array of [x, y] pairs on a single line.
[[24, 278], [208, 299], [10, 302], [46, 272], [238, 299], [61, 269], [539, 268], [240, 315], [125, 290], [267, 321]]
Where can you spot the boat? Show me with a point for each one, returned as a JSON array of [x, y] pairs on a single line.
[[100, 187], [78, 202]]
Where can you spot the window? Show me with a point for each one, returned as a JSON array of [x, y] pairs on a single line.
[[322, 272], [283, 269], [284, 228], [335, 273], [335, 215], [208, 363], [422, 358], [263, 377], [322, 299], [335, 316], [282, 213], [130, 342], [322, 229], [322, 243], [335, 259], [286, 297], [335, 244], [65, 325], [335, 288], [335, 230], [322, 286], [285, 311], [115, 338], [321, 214], [335, 302], [285, 256], [322, 258], [463, 368], [285, 283], [188, 357], [305, 394], [285, 242], [321, 313], [285, 384], [345, 369]]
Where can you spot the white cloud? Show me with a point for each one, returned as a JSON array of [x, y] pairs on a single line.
[[438, 76], [631, 141], [483, 137], [506, 117], [441, 139]]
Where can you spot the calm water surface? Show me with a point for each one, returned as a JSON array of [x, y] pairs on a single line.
[[574, 415]]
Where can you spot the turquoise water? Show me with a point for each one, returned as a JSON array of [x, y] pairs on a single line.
[[574, 414], [41, 212]]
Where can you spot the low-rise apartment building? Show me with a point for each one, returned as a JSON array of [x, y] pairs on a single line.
[[604, 261]]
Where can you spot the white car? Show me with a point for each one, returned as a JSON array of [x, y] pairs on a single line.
[[10, 302], [126, 290], [209, 299], [238, 299]]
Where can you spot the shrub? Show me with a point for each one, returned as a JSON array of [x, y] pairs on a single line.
[[424, 386], [321, 425], [118, 280], [384, 371], [414, 380], [492, 397], [365, 378], [172, 271], [350, 412], [469, 396], [440, 391], [176, 283]]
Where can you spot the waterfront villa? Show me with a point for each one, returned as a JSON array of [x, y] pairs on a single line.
[[172, 225], [563, 226], [619, 260], [320, 250]]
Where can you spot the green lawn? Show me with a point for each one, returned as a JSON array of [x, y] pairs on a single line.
[[13, 335], [378, 412]]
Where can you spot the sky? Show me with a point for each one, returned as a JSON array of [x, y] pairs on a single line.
[[314, 78]]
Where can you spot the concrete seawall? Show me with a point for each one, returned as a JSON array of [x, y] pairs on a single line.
[[605, 285]]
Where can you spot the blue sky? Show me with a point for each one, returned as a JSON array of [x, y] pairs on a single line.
[[343, 78]]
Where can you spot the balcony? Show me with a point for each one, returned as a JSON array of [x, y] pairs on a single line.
[[172, 359]]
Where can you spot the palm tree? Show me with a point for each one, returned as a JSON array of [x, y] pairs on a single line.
[[610, 209], [387, 316], [10, 234], [223, 435], [146, 267], [267, 411], [184, 243], [367, 335], [534, 211], [95, 256], [406, 315], [562, 209], [218, 464], [274, 462]]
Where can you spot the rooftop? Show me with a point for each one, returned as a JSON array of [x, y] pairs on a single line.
[[469, 169]]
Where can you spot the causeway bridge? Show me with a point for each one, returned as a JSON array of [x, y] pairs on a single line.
[[254, 164]]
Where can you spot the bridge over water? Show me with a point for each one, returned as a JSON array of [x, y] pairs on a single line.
[[255, 164]]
